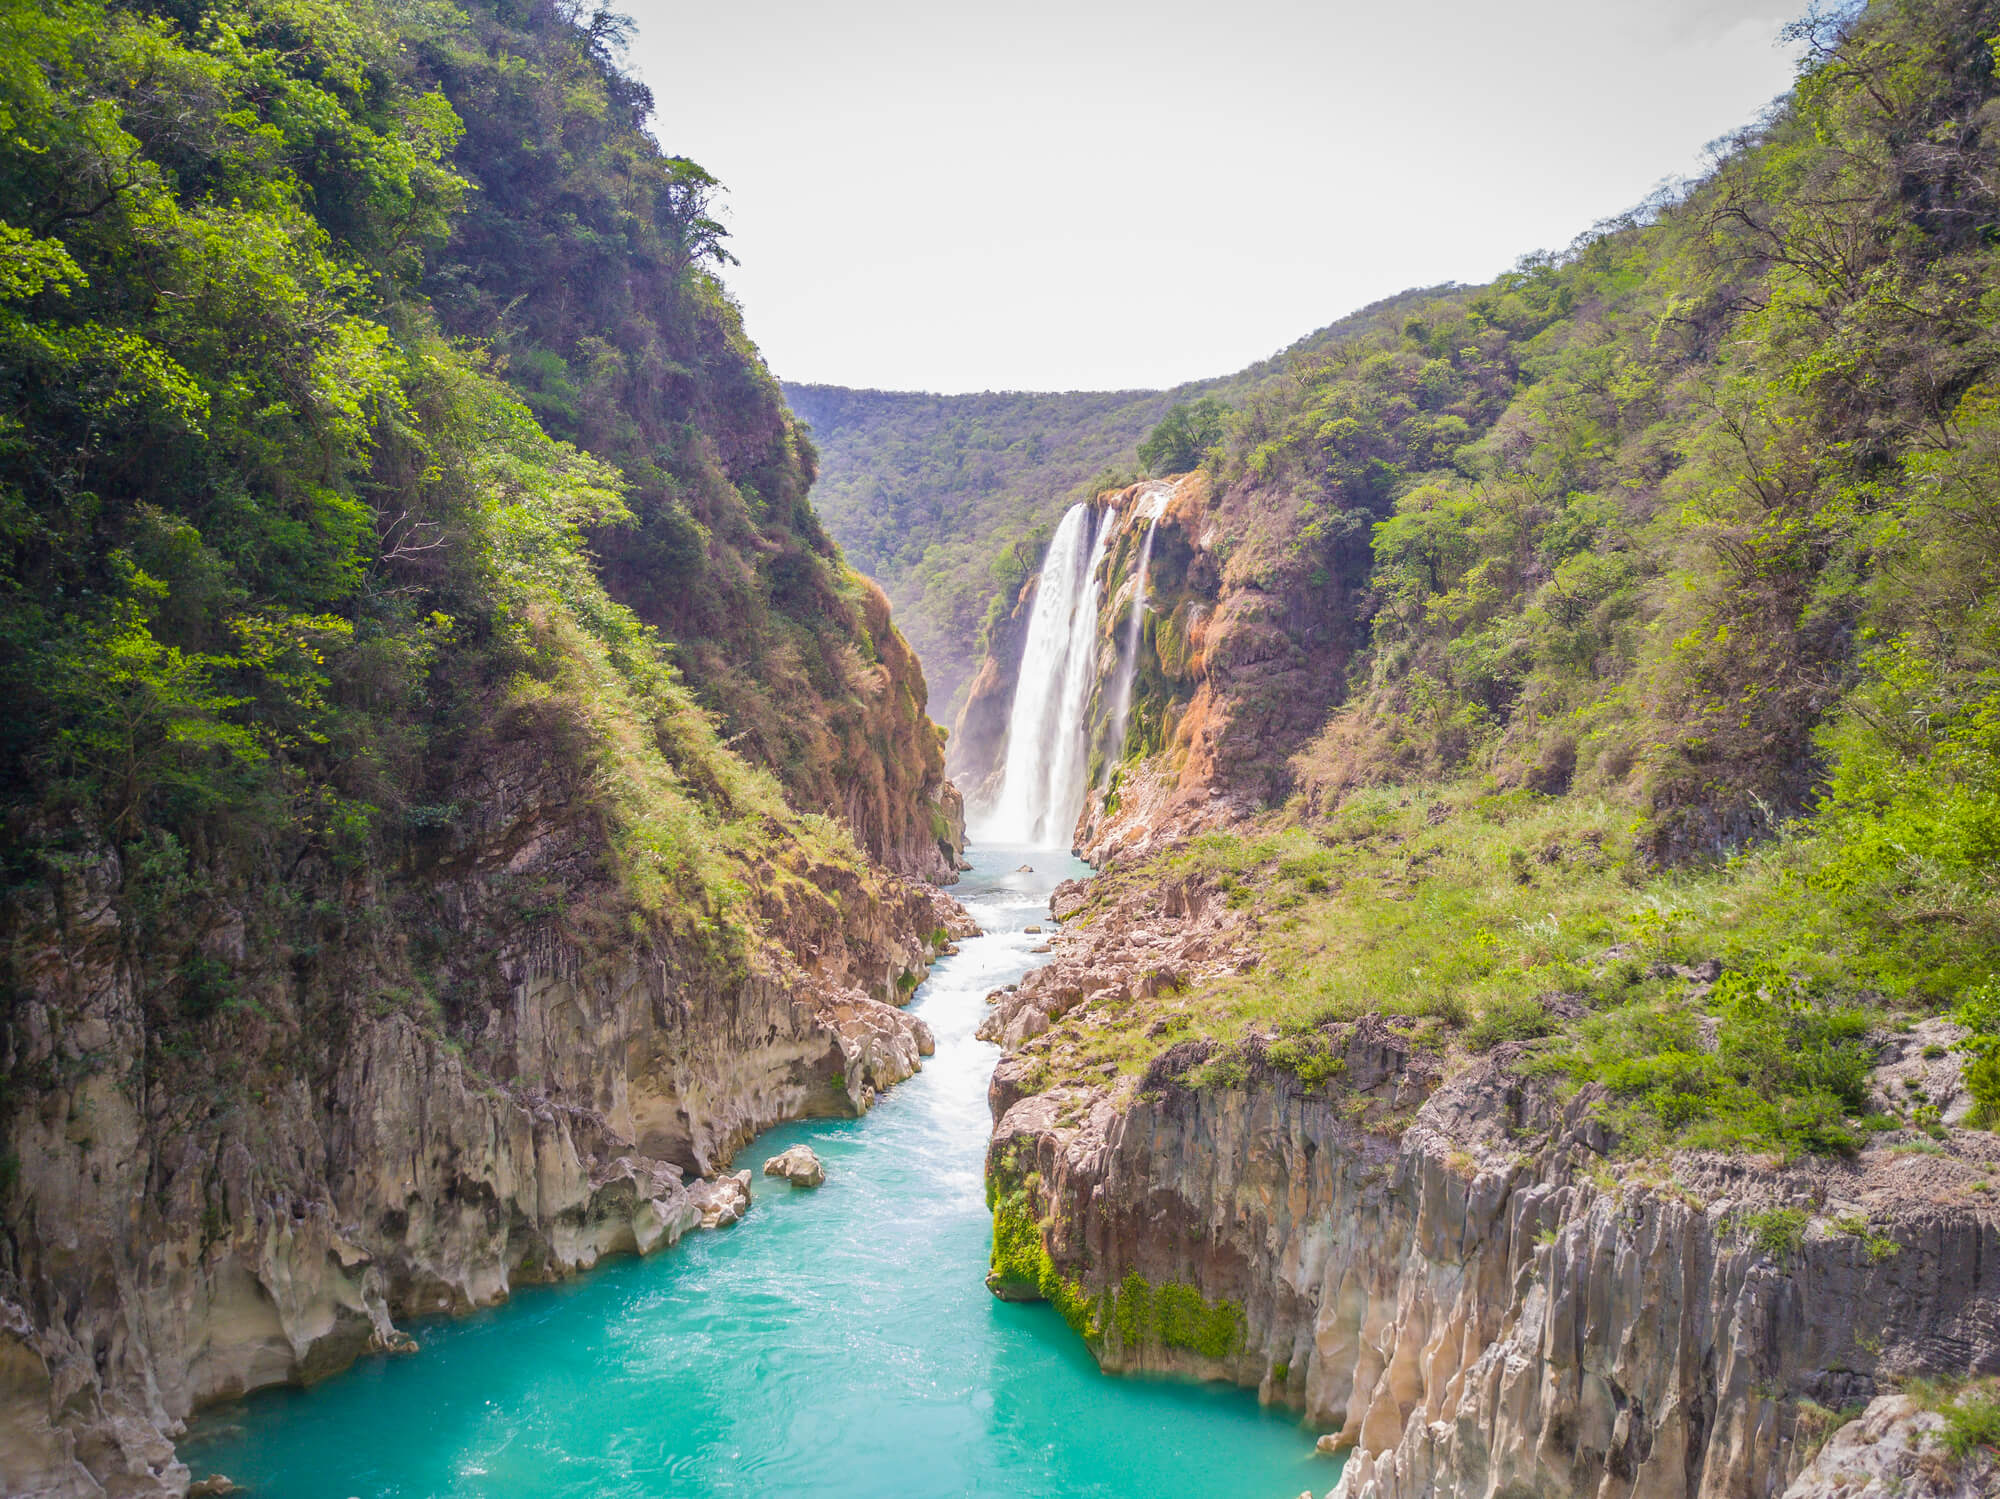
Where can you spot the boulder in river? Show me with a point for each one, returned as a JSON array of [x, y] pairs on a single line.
[[1025, 869], [722, 1201], [799, 1166]]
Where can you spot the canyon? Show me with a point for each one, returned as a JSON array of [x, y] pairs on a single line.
[[587, 1108], [1514, 782]]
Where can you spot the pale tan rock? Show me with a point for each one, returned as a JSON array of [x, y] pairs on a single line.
[[798, 1165], [1892, 1451], [178, 1257], [723, 1201]]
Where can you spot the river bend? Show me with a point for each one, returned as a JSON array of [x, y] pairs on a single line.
[[839, 1343]]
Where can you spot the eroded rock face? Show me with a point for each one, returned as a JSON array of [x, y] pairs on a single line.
[[1453, 1277], [186, 1227], [1251, 638], [1470, 1316], [1893, 1451]]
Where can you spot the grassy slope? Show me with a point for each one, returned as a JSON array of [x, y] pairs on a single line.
[[1676, 565]]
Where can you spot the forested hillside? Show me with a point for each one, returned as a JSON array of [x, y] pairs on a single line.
[[947, 501], [437, 724], [1663, 572], [252, 452], [1555, 859]]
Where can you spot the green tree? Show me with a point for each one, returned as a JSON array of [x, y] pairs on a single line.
[[1184, 436]]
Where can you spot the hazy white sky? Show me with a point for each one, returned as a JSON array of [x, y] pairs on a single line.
[[1098, 195]]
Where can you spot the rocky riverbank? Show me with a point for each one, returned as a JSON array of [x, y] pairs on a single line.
[[1443, 1263], [199, 1226]]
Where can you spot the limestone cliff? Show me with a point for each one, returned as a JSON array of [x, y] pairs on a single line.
[[1439, 1263], [459, 1093], [1243, 654]]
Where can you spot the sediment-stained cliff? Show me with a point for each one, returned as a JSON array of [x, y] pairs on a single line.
[[1440, 1262], [1243, 654]]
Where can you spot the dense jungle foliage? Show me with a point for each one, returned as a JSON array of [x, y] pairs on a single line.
[[347, 351], [1672, 749]]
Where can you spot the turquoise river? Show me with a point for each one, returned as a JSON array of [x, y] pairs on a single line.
[[838, 1343]]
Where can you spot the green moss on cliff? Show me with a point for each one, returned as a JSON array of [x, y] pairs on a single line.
[[1176, 1315], [1138, 1315], [1021, 1262]]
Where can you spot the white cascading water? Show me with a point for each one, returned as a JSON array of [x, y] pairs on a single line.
[[1042, 784], [1128, 660]]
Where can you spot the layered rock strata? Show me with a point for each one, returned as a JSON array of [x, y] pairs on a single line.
[[1442, 1265]]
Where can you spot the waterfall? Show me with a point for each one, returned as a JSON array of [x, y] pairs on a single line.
[[1042, 783], [1128, 660]]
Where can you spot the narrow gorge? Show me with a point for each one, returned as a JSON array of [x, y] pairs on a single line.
[[1451, 949]]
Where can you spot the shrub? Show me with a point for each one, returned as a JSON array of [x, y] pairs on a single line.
[[1778, 1232], [1879, 1246], [1308, 1057], [1183, 436], [1971, 1411]]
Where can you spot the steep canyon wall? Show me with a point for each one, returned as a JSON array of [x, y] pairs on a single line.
[[190, 1227], [1444, 1269]]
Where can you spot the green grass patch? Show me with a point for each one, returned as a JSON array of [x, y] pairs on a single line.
[[1971, 1411]]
